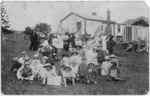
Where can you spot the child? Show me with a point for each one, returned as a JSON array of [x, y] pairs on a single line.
[[25, 72], [113, 58], [91, 74], [94, 55], [65, 60], [36, 64], [105, 66], [114, 72], [100, 56], [67, 73], [75, 61], [23, 58], [48, 73]]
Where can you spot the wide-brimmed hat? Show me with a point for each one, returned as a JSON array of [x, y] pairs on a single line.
[[91, 64], [15, 59], [113, 62], [99, 45], [106, 58], [112, 56], [47, 65], [74, 51], [80, 46], [27, 63], [35, 56], [23, 52], [45, 57], [95, 47], [67, 66], [65, 55]]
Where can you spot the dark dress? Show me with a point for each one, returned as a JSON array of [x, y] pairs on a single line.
[[66, 45], [15, 67], [72, 41], [110, 45]]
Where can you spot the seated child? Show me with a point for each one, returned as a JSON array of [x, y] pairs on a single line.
[[114, 72], [65, 60], [67, 73], [23, 58], [113, 58], [48, 73], [15, 66], [26, 72], [91, 74], [105, 66], [36, 64]]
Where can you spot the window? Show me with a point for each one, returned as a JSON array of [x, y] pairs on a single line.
[[78, 26], [118, 27], [101, 28]]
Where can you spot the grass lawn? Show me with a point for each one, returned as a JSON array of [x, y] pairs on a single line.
[[134, 69]]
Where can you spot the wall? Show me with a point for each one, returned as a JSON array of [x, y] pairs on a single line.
[[92, 26], [69, 24]]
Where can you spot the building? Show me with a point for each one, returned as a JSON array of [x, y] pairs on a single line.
[[130, 30], [88, 23]]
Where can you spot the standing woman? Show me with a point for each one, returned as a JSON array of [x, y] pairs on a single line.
[[110, 44], [66, 42]]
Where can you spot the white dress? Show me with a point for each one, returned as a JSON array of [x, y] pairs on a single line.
[[105, 68], [61, 42], [75, 61], [104, 45]]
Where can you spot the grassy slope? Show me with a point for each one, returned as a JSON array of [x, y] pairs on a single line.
[[134, 67]]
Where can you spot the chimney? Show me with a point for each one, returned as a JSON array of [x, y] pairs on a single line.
[[108, 15], [94, 14]]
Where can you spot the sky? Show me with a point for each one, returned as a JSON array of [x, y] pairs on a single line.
[[30, 13]]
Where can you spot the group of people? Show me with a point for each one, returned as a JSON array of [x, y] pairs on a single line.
[[80, 62]]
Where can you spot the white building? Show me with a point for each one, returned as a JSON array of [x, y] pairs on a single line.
[[78, 23]]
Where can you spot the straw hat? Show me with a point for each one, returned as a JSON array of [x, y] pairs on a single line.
[[112, 56], [23, 52], [47, 65], [95, 47], [106, 58], [27, 63], [74, 51], [65, 55], [45, 57], [67, 66], [15, 59], [35, 56]]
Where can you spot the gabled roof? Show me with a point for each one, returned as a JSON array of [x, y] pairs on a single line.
[[132, 21], [87, 17]]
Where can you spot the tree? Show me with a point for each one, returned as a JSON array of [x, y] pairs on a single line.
[[4, 18], [28, 30], [43, 28]]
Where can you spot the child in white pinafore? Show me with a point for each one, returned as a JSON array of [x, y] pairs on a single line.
[[26, 72], [36, 64], [105, 66], [48, 73], [65, 60]]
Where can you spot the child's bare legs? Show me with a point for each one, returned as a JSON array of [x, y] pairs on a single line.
[[73, 82], [64, 79], [44, 81]]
